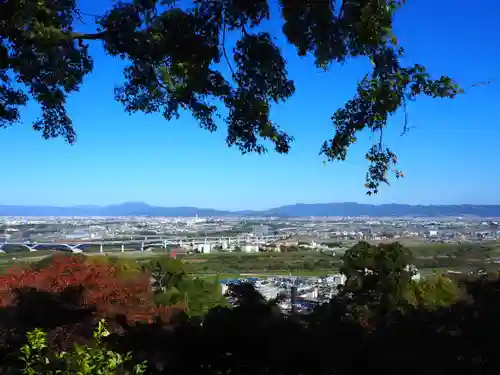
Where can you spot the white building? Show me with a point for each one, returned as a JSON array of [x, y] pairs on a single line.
[[338, 279], [204, 248], [416, 275], [250, 248]]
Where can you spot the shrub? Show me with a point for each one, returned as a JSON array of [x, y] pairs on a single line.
[[173, 286], [434, 293], [98, 287], [38, 358]]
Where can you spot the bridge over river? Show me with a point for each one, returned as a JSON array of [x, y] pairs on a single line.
[[137, 244]]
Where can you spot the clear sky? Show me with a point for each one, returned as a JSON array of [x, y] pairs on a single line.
[[452, 154]]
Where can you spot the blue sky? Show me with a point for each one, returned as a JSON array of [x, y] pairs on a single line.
[[451, 155]]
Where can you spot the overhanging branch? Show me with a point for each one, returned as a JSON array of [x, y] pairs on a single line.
[[91, 36]]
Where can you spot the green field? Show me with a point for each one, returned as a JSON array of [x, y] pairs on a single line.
[[429, 258], [304, 273]]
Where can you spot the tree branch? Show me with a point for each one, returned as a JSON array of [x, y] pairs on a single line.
[[482, 83], [79, 16], [226, 57], [381, 139], [405, 128], [92, 36], [341, 11]]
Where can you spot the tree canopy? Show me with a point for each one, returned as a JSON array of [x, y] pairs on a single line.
[[173, 286], [378, 278], [177, 57]]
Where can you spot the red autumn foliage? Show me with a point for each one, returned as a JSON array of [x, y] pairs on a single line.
[[100, 288]]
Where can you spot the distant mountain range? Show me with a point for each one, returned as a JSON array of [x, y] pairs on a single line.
[[295, 210]]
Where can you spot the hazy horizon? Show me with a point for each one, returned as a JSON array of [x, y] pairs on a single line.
[[236, 210]]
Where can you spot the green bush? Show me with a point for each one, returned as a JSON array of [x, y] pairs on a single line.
[[38, 358], [173, 286]]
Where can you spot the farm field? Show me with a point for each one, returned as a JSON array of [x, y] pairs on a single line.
[[429, 258]]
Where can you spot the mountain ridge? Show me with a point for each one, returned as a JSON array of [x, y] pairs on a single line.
[[293, 210]]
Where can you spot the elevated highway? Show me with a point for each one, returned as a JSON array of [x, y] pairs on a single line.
[[139, 244]]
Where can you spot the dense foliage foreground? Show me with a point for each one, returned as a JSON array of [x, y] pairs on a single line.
[[79, 315]]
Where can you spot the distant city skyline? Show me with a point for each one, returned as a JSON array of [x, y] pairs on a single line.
[[450, 155]]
